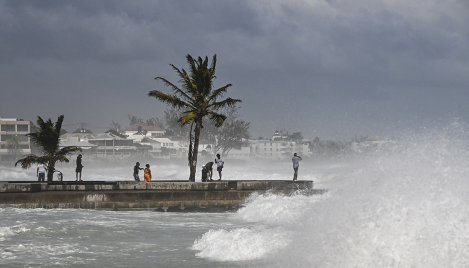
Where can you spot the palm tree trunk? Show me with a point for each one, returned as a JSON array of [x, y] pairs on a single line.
[[193, 160], [50, 172]]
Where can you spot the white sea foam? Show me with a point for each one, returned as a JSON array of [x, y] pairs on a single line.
[[240, 244], [5, 232], [10, 174], [272, 208]]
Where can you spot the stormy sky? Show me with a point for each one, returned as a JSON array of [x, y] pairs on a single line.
[[328, 68]]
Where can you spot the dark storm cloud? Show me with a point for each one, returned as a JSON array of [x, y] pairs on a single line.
[[315, 66]]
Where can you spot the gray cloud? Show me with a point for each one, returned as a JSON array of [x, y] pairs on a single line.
[[328, 68]]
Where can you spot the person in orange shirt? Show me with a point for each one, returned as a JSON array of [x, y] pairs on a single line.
[[147, 173]]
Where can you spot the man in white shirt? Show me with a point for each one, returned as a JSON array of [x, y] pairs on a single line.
[[41, 172], [220, 164], [296, 163]]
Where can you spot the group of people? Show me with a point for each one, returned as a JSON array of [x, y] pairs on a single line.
[[146, 172], [207, 169], [42, 170]]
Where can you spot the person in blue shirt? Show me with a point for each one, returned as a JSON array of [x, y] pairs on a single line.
[[296, 163]]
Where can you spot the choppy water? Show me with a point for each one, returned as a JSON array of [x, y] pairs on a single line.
[[406, 208]]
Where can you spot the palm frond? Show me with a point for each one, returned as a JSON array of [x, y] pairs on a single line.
[[58, 125], [229, 102], [218, 93], [47, 138], [187, 118], [27, 161], [174, 88], [212, 66], [68, 150], [171, 100], [217, 119], [61, 158]]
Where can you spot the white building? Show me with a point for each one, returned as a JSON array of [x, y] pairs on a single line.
[[13, 140], [162, 147], [280, 147], [88, 149], [138, 133], [243, 153]]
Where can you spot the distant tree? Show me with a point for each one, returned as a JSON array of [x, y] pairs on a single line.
[[13, 145], [196, 99], [134, 120], [296, 136], [232, 135], [139, 131], [47, 140], [155, 122], [115, 126], [172, 124]]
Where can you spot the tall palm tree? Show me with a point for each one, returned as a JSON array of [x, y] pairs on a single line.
[[47, 139], [196, 98]]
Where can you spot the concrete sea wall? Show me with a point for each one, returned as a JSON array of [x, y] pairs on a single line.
[[165, 196]]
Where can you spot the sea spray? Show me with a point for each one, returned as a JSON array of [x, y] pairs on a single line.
[[406, 208], [240, 244]]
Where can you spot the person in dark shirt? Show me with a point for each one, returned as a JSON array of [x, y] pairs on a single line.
[[136, 169], [209, 168], [79, 168]]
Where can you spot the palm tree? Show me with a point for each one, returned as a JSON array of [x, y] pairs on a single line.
[[47, 139], [196, 98]]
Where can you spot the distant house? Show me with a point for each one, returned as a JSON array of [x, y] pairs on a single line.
[[139, 132], [161, 147], [88, 149], [109, 144]]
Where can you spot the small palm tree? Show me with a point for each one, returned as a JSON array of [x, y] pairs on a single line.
[[47, 139], [196, 99]]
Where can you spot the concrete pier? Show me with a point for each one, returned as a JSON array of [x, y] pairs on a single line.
[[164, 196]]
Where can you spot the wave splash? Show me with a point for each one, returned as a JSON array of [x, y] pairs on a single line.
[[404, 208]]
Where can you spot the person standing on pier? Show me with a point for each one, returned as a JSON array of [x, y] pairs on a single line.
[[136, 169], [220, 164], [79, 168], [296, 163], [41, 172], [147, 173]]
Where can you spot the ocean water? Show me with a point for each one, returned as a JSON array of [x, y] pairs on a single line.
[[406, 207]]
